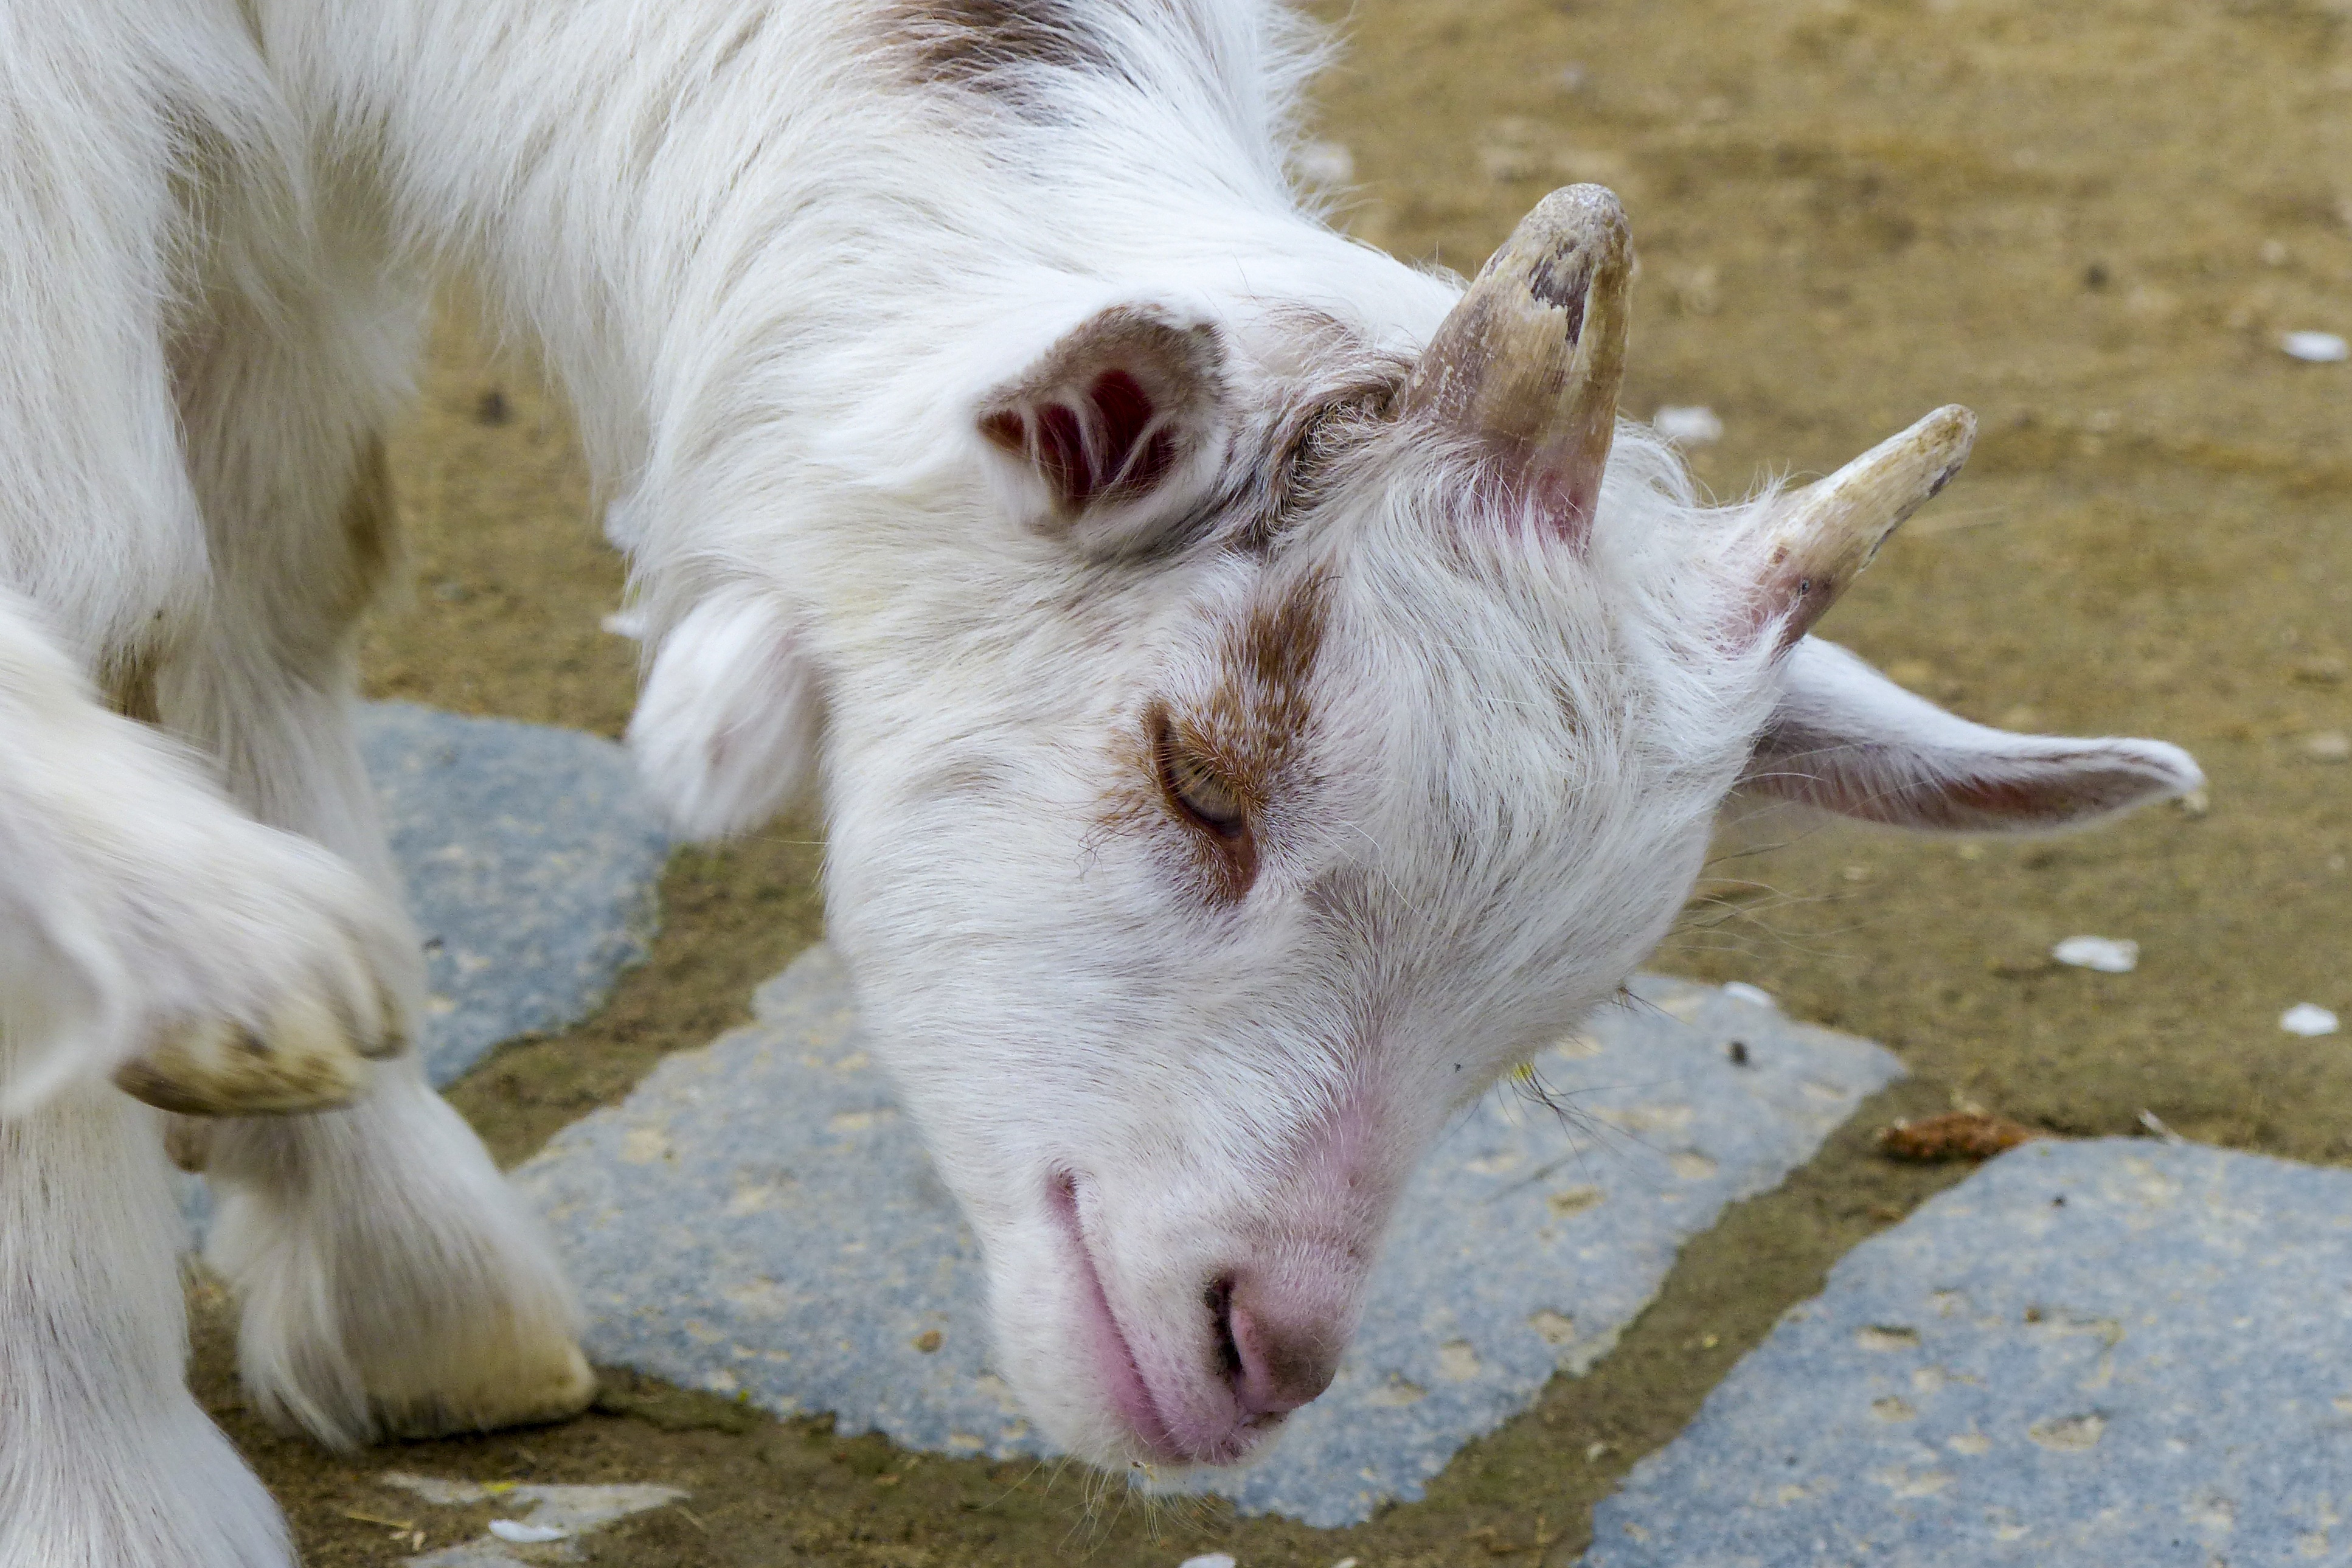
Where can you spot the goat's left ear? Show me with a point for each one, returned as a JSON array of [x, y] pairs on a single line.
[[729, 724], [1117, 428], [1846, 739]]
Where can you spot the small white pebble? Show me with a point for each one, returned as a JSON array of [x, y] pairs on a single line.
[[1345, 1563], [2107, 954], [1209, 1560], [1689, 424], [2305, 1019], [2328, 746], [1740, 991], [2317, 348], [523, 1534], [1326, 162]]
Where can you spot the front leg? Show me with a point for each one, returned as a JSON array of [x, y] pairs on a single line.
[[391, 1282], [137, 912], [105, 1459]]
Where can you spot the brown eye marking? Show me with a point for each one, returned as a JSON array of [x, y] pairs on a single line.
[[1193, 781], [1194, 785], [1217, 765]]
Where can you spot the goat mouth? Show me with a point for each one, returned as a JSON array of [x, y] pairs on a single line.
[[1114, 1355]]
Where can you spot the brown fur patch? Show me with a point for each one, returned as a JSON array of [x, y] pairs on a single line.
[[130, 684], [984, 43], [1251, 731], [1271, 659], [371, 528], [1318, 425]]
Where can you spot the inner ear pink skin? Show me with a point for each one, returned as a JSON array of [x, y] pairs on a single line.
[[1114, 446]]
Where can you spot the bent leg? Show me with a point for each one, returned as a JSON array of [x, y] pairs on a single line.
[[392, 1282], [150, 931]]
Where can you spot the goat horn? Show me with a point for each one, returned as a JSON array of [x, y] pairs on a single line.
[[1530, 361], [1821, 541]]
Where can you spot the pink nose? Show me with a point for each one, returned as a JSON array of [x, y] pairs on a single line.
[[1280, 1353]]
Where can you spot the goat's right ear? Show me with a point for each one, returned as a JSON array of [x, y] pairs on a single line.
[[729, 726], [1111, 435], [1846, 739]]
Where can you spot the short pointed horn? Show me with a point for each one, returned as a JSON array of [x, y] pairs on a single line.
[[1530, 361], [1819, 542]]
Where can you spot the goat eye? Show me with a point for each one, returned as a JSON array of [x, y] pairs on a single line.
[[1194, 785]]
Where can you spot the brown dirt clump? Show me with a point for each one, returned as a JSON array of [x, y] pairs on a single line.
[[1970, 1135]]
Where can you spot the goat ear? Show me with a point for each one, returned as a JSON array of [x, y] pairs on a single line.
[[1115, 427], [729, 726], [1848, 739]]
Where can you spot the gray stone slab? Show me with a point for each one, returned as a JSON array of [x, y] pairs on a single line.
[[531, 862], [758, 1219], [2087, 1355]]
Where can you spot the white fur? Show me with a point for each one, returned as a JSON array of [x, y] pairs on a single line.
[[396, 1290], [104, 1457], [728, 729], [137, 897], [781, 273]]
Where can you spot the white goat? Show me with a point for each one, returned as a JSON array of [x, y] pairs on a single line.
[[1247, 715]]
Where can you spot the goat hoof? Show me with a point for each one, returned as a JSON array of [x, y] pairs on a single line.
[[549, 1382], [312, 1055]]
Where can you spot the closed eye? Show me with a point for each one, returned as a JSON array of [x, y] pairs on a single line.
[[1194, 785]]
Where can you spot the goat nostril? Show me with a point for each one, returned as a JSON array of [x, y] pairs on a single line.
[[1218, 1300]]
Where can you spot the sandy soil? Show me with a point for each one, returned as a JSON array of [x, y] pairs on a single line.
[[2092, 223]]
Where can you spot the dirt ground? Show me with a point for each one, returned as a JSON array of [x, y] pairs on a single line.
[[2090, 222]]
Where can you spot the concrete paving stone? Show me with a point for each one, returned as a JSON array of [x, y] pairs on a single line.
[[2087, 1355], [530, 861], [758, 1219]]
